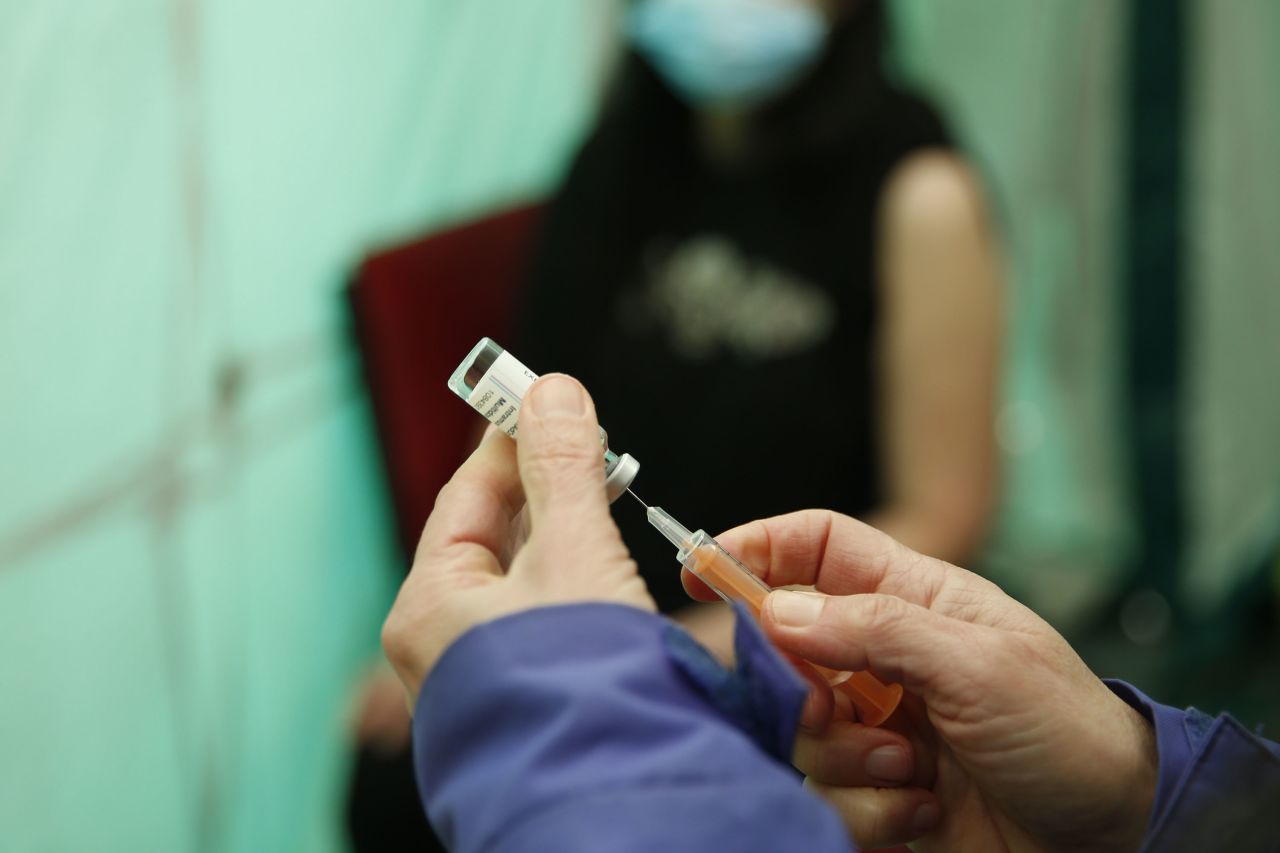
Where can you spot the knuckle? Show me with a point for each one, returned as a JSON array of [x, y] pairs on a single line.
[[867, 820], [877, 611], [454, 490], [393, 636], [562, 449], [883, 556], [444, 495]]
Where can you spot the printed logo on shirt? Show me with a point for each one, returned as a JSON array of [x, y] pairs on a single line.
[[709, 297]]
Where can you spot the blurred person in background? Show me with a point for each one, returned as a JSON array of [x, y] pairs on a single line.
[[777, 274]]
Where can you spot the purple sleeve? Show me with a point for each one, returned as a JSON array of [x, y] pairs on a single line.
[[1219, 784], [604, 728]]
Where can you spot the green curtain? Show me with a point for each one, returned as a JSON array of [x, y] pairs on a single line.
[[1233, 388], [1035, 90], [195, 551]]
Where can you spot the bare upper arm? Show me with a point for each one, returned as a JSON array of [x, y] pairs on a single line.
[[940, 333]]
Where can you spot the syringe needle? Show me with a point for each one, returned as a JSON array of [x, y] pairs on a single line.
[[637, 497]]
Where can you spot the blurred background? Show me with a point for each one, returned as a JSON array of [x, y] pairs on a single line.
[[230, 239]]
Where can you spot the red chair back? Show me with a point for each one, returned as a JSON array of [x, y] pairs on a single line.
[[418, 309]]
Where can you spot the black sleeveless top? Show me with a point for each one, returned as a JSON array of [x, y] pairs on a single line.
[[725, 324]]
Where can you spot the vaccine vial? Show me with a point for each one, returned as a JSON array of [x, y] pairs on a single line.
[[493, 382]]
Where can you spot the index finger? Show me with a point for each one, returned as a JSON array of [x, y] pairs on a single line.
[[836, 554], [476, 507]]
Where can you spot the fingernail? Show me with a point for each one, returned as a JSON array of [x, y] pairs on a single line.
[[557, 395], [889, 764], [795, 609], [926, 818]]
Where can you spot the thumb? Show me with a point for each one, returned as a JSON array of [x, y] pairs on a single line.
[[897, 640], [561, 461]]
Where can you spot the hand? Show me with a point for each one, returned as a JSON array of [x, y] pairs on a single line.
[[1029, 750], [379, 719], [474, 563]]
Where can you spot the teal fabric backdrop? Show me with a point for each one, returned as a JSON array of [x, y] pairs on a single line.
[[1036, 91], [195, 552]]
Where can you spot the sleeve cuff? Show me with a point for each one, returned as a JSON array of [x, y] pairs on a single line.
[[1219, 783], [524, 711]]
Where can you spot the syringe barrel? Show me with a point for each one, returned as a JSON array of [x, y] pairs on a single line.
[[874, 700], [721, 571]]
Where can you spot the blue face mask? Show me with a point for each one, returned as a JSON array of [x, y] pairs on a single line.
[[730, 53]]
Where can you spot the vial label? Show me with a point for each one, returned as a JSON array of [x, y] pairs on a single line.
[[500, 391], [498, 394]]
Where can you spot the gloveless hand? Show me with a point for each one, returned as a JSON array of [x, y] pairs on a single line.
[[481, 557], [1025, 748]]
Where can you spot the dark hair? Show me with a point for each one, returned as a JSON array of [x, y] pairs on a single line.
[[836, 100]]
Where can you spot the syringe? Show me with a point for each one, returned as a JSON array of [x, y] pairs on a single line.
[[732, 581], [493, 382]]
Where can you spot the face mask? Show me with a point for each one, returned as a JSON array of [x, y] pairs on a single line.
[[732, 53]]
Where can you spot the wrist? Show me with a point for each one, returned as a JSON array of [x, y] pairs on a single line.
[[1137, 772]]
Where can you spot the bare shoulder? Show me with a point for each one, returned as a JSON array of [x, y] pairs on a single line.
[[933, 192]]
